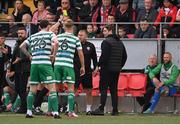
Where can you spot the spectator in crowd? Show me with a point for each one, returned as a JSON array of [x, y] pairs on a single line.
[[167, 32], [21, 66], [90, 31], [122, 32], [177, 26], [51, 17], [112, 59], [40, 13], [53, 5], [19, 10], [78, 4], [104, 31], [167, 83], [125, 14], [12, 27], [67, 10], [148, 12], [138, 5], [86, 13], [145, 30], [5, 56], [30, 28], [102, 12], [144, 101], [167, 13], [111, 21], [89, 52]]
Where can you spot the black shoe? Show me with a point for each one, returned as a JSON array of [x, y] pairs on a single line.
[[21, 111], [57, 116], [66, 112], [38, 111], [98, 111], [29, 116], [145, 107], [115, 113], [88, 113]]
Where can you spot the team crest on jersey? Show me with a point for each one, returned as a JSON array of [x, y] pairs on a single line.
[[88, 48]]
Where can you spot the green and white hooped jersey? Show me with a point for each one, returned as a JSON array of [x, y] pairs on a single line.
[[40, 46], [68, 43]]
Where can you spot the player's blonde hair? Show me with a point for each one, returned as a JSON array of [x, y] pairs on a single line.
[[68, 24]]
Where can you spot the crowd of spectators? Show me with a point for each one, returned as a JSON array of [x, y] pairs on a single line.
[[100, 13]]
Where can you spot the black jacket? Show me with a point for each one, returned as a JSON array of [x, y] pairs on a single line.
[[25, 10], [5, 57], [113, 55], [149, 33], [24, 64], [89, 52]]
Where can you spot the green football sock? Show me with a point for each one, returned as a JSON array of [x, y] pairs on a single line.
[[71, 101], [49, 104], [7, 98], [17, 103], [54, 101], [30, 100]]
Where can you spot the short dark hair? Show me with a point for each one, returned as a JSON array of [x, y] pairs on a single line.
[[144, 19], [22, 28], [122, 28], [44, 23], [108, 27]]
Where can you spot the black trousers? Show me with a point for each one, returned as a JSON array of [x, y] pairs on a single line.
[[145, 101], [109, 79], [21, 80]]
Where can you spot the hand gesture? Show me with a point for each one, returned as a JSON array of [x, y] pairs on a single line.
[[82, 71], [17, 60]]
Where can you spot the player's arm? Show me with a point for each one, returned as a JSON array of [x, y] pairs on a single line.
[[55, 26], [55, 46], [81, 57], [23, 47]]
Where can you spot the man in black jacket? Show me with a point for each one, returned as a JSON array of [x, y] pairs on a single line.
[[111, 61], [5, 56], [21, 67], [145, 30]]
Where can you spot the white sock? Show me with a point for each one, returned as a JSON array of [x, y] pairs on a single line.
[[67, 108], [88, 108], [29, 112], [55, 113]]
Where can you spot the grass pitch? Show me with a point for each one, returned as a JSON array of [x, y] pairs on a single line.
[[10, 118]]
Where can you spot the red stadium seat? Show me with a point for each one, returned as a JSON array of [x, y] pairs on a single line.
[[122, 84], [137, 84], [130, 36], [95, 90]]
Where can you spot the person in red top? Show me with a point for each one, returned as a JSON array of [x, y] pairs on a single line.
[[101, 14], [167, 13]]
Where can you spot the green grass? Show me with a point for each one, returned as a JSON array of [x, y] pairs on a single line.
[[9, 118]]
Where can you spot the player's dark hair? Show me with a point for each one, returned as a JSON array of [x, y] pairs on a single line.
[[43, 24]]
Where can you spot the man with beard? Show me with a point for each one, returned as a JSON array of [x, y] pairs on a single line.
[[21, 67], [167, 83]]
